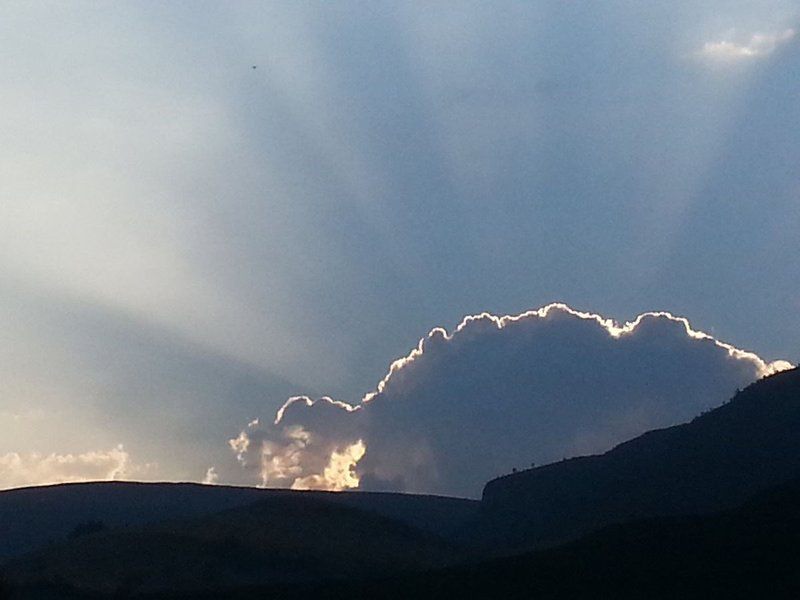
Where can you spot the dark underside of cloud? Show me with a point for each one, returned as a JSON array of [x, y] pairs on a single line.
[[499, 393]]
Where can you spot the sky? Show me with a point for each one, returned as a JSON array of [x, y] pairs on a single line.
[[187, 241]]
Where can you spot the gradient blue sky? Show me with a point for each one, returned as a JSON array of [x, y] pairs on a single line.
[[186, 241]]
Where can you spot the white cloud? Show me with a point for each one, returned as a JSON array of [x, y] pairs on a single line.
[[211, 476], [757, 45], [293, 457], [496, 393], [19, 470], [339, 474]]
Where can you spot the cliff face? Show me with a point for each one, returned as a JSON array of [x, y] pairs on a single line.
[[714, 462]]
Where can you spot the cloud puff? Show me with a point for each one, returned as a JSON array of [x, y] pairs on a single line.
[[211, 477], [19, 470], [291, 456], [758, 45], [339, 474], [497, 393]]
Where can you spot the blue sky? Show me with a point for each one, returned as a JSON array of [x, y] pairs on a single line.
[[186, 241]]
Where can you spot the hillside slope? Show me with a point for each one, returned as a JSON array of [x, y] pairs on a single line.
[[715, 462]]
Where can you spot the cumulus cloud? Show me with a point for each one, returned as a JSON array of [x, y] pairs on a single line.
[[500, 392], [731, 48], [19, 470], [497, 393]]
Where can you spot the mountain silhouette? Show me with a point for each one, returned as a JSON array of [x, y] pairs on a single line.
[[715, 462]]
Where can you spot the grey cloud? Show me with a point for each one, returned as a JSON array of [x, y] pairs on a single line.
[[502, 392]]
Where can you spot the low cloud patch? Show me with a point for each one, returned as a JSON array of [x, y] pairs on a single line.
[[20, 470]]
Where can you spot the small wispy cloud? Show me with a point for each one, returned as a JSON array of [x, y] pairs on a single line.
[[22, 415], [734, 48], [211, 477]]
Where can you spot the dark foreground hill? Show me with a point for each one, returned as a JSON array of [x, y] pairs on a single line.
[[285, 538], [715, 462], [747, 553], [31, 518]]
